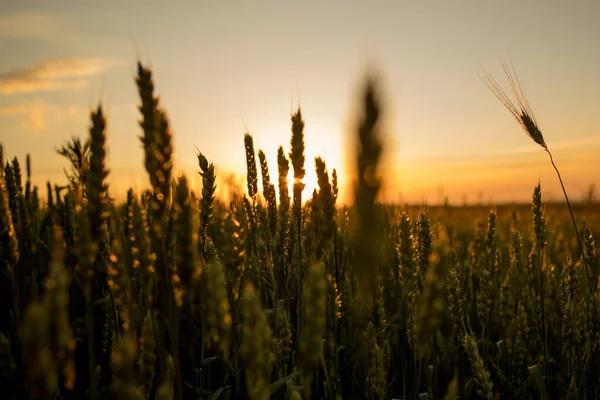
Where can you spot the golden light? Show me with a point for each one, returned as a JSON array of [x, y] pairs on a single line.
[[320, 140]]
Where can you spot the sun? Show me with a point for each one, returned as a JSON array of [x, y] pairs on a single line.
[[310, 184], [320, 140]]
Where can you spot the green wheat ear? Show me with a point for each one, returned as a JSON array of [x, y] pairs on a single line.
[[310, 341], [98, 201], [252, 176], [297, 158], [9, 246], [482, 377], [256, 346], [207, 172]]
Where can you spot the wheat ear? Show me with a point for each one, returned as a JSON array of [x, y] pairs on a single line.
[[524, 115]]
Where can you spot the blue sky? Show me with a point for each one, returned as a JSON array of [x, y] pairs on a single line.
[[223, 66]]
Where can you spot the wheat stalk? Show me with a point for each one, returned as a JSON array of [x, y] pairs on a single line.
[[523, 113]]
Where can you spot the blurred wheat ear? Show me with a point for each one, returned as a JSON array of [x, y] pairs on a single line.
[[523, 113], [370, 147]]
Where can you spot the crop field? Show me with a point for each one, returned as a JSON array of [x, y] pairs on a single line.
[[278, 294]]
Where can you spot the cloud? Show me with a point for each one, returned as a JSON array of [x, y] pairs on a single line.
[[54, 75], [37, 115]]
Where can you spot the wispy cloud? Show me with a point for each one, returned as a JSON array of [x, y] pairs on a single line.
[[54, 75], [37, 115]]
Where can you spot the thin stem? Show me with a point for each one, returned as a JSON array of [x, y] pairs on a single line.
[[89, 323], [585, 264], [544, 331]]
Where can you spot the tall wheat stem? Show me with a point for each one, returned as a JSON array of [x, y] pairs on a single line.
[[585, 262]]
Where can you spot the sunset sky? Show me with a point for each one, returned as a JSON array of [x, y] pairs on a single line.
[[220, 67]]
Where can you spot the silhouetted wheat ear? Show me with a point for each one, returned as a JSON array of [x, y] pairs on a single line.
[[283, 168], [207, 172], [522, 109]]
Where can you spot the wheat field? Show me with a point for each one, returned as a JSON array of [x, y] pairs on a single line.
[[176, 294]]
